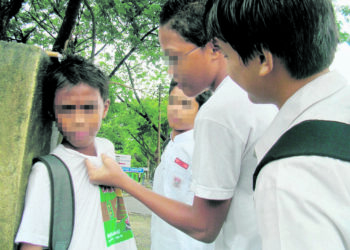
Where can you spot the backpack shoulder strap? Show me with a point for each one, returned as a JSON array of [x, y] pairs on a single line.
[[62, 202], [311, 137]]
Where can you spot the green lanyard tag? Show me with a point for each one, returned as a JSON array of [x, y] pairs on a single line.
[[115, 217]]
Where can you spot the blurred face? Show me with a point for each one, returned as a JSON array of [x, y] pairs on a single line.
[[182, 110], [190, 66], [79, 111]]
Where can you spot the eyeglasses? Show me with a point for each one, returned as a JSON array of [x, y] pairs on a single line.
[[174, 60], [177, 101]]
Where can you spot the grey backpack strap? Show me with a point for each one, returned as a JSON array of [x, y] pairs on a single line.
[[62, 202], [311, 137]]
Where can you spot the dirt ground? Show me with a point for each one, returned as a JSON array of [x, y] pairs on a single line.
[[141, 226]]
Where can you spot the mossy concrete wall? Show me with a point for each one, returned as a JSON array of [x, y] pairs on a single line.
[[23, 133]]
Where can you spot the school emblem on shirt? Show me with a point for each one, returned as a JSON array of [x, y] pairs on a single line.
[[177, 182], [181, 163]]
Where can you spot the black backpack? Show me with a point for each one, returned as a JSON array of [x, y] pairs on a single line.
[[311, 137], [62, 202]]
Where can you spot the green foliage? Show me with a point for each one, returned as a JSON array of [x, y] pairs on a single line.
[[344, 36], [125, 128], [343, 20]]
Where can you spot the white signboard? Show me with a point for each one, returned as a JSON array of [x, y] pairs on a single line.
[[124, 160]]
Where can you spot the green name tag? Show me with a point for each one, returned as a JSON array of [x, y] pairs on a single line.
[[115, 218]]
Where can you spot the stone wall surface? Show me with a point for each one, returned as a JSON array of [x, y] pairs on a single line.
[[23, 132]]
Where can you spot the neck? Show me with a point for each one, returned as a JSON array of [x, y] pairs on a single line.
[[176, 132], [90, 150], [221, 74], [292, 86], [217, 82]]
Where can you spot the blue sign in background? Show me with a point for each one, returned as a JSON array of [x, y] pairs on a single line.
[[133, 170]]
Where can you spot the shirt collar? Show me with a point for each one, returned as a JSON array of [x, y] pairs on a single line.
[[313, 92], [184, 136], [228, 80]]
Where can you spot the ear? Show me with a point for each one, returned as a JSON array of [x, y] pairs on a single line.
[[105, 108], [266, 63], [213, 49]]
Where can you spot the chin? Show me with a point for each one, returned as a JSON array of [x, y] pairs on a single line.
[[190, 92], [259, 100], [253, 99], [79, 144]]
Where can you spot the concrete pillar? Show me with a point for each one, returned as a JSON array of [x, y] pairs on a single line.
[[23, 133]]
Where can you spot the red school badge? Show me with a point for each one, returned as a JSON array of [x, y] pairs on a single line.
[[181, 163]]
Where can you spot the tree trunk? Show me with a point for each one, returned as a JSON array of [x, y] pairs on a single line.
[[8, 9], [159, 125], [67, 26]]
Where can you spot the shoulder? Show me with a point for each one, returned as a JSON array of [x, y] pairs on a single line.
[[103, 141], [38, 177], [184, 144], [226, 100], [104, 145], [39, 169], [230, 104], [285, 172]]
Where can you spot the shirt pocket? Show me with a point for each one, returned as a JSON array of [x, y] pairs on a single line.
[[178, 183]]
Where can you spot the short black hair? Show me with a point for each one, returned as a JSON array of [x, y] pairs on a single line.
[[186, 18], [203, 97], [72, 70], [200, 98], [172, 85], [302, 33]]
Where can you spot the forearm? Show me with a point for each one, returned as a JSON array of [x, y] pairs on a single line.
[[27, 246], [192, 220], [202, 221], [175, 213]]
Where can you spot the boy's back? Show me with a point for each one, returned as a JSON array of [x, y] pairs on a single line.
[[90, 212], [284, 49], [306, 195]]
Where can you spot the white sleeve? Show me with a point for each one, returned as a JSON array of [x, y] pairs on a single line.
[[217, 160], [106, 147], [111, 150], [34, 227]]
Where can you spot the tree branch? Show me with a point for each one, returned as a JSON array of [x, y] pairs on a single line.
[[148, 119], [130, 52], [8, 10], [16, 5], [68, 24], [143, 115], [100, 50], [92, 57], [133, 85], [42, 26], [146, 150]]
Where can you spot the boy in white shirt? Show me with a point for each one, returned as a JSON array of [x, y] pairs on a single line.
[[79, 102], [173, 176], [280, 53]]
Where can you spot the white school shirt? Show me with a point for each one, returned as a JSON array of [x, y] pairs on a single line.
[[226, 129], [172, 179], [303, 202], [88, 233]]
